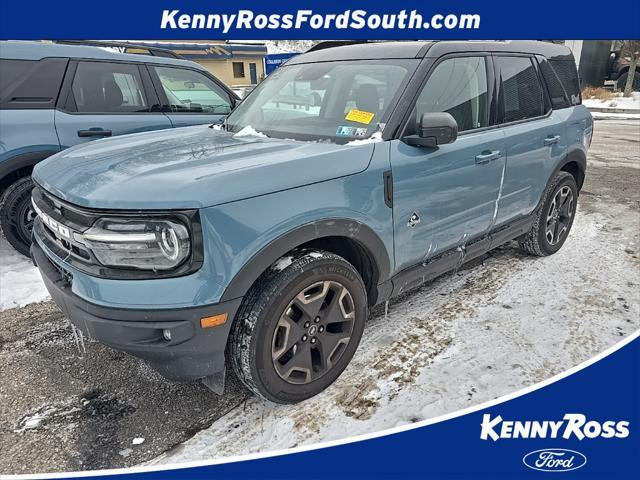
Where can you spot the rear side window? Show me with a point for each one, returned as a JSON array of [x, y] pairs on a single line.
[[568, 74], [102, 87], [457, 86], [31, 83], [521, 95]]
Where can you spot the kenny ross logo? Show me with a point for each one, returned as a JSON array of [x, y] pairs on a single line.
[[572, 425]]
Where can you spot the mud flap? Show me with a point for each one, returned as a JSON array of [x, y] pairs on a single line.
[[215, 382]]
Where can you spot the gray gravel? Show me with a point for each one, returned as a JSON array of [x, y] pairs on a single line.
[[63, 410]]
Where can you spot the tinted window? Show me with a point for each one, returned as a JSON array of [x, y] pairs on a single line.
[[521, 94], [190, 91], [29, 83], [568, 74], [557, 94], [101, 87], [457, 86]]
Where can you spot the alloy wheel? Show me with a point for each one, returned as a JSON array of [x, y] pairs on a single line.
[[313, 332], [559, 215]]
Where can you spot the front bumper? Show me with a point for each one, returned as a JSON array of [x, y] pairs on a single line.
[[192, 352]]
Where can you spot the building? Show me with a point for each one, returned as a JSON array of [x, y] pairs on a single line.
[[236, 64]]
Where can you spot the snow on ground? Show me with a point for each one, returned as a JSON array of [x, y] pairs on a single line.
[[613, 115], [470, 337], [20, 281], [617, 103]]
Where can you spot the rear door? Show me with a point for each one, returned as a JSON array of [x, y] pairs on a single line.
[[535, 135], [104, 99], [189, 96]]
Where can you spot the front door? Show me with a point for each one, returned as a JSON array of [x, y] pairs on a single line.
[[446, 196], [253, 74], [107, 99]]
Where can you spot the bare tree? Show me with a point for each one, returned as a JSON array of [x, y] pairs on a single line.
[[631, 49]]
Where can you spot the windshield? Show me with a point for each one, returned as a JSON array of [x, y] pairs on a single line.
[[338, 101]]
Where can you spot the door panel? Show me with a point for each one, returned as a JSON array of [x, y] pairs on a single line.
[[78, 128], [530, 160], [453, 195]]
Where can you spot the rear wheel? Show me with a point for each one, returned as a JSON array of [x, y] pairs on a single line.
[[299, 326], [17, 214], [622, 82], [553, 218]]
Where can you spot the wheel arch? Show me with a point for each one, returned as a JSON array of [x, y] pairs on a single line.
[[352, 240], [574, 163], [21, 165]]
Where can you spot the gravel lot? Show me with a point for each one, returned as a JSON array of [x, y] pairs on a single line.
[[62, 409]]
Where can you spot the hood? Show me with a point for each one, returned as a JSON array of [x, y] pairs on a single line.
[[191, 167]]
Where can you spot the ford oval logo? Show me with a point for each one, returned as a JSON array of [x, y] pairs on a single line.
[[554, 460]]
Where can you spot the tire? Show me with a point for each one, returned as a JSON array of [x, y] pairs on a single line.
[[17, 215], [274, 332], [621, 82], [553, 218]]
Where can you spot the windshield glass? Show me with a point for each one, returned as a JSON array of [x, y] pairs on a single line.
[[338, 101]]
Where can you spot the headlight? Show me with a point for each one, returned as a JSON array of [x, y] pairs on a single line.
[[146, 244]]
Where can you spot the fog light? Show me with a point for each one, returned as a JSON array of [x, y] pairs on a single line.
[[166, 333]]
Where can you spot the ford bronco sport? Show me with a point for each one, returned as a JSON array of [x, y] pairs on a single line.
[[268, 238], [53, 96]]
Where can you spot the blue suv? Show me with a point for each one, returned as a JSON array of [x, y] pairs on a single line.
[[350, 175], [53, 96]]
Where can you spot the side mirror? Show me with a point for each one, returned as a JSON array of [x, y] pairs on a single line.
[[435, 128]]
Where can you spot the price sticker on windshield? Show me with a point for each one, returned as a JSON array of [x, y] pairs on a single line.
[[360, 116]]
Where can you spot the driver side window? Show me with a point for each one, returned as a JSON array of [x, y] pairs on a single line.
[[457, 86], [192, 92]]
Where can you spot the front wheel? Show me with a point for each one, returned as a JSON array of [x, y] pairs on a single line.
[[17, 214], [299, 326], [553, 218]]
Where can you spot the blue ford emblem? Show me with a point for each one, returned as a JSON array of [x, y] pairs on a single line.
[[554, 460]]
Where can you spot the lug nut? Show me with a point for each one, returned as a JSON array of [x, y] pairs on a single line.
[[321, 329], [306, 325], [313, 340], [317, 320], [304, 338]]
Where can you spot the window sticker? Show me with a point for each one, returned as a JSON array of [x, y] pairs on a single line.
[[347, 131], [360, 116]]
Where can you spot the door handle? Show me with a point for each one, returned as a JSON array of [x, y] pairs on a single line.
[[551, 140], [95, 132], [487, 156]]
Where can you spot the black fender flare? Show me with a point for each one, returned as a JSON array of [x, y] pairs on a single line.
[[578, 156], [23, 160], [351, 229]]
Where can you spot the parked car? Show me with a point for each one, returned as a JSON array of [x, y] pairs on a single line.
[[271, 236], [54, 96]]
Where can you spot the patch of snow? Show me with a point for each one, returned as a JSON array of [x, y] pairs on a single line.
[[31, 422], [125, 453], [615, 116], [20, 280], [137, 441], [467, 338], [249, 131], [376, 137], [217, 126], [617, 103], [283, 263]]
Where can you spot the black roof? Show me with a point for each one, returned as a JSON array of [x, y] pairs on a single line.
[[421, 49]]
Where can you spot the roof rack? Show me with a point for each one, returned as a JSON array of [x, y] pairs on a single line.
[[334, 43], [127, 46]]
